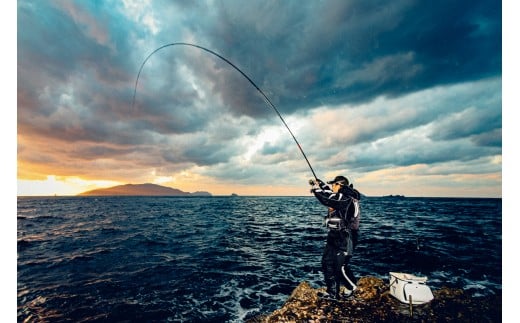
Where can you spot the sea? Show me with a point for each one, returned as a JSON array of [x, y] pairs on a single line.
[[231, 258]]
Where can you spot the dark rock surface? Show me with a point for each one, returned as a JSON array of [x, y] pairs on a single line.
[[372, 302]]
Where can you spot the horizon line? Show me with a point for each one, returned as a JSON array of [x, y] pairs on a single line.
[[236, 195]]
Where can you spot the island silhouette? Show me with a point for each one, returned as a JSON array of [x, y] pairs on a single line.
[[147, 189]]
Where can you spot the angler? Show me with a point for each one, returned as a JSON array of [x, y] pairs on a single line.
[[342, 221]]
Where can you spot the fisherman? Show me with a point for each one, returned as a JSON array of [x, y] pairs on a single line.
[[342, 222]]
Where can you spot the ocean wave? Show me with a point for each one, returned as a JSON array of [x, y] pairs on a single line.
[[218, 259]]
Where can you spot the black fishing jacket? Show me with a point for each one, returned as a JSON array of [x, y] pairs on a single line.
[[343, 205]]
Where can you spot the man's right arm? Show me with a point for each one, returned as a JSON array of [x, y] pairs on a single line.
[[328, 198]]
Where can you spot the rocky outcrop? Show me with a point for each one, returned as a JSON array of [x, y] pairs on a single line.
[[372, 302]]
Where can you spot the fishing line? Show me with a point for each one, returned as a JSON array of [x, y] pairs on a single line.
[[266, 99]]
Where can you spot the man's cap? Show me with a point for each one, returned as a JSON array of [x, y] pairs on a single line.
[[342, 180]]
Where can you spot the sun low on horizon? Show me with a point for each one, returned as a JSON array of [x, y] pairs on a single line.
[[61, 186]]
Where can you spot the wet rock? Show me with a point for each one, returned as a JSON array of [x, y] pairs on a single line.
[[372, 302]]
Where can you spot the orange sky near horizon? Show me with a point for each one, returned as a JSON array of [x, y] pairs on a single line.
[[368, 184]]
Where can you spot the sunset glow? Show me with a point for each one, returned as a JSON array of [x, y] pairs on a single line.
[[59, 186]]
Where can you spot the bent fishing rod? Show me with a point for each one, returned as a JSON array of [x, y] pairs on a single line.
[[264, 96]]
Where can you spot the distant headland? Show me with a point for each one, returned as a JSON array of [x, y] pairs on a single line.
[[141, 190], [394, 196]]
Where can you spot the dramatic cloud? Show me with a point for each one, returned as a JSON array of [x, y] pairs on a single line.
[[378, 87]]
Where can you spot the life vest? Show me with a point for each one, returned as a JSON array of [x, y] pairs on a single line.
[[337, 220]]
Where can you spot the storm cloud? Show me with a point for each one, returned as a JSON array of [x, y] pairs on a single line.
[[366, 87]]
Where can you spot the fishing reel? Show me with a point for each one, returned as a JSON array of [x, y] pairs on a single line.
[[315, 182]]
